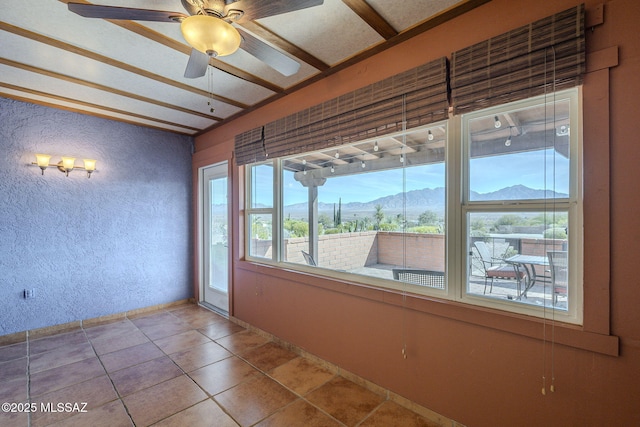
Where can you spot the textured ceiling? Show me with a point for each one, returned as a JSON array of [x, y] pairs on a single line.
[[133, 71]]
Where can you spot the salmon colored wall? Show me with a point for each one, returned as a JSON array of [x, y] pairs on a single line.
[[479, 367]]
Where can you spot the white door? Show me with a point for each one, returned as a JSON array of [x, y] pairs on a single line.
[[215, 254]]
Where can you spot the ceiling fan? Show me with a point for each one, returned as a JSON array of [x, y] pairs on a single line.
[[208, 28]]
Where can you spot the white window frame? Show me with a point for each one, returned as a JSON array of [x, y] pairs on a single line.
[[457, 208], [274, 211], [572, 205]]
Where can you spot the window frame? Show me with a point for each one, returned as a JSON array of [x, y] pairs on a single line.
[[572, 205], [251, 211], [457, 208]]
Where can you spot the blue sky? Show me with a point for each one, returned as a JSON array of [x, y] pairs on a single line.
[[487, 174], [369, 186], [528, 168]]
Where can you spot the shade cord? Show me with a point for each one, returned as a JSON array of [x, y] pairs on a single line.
[[403, 225], [553, 219]]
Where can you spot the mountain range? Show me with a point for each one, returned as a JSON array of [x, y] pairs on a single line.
[[428, 199]]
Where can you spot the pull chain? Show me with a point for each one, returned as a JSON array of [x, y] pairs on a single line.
[[210, 89]]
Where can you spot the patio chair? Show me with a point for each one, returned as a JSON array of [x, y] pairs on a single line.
[[496, 268], [558, 264], [433, 279], [308, 258]]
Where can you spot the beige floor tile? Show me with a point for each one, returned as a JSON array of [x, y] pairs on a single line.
[[112, 414], [254, 400], [61, 356], [66, 375], [345, 400], [109, 344], [110, 330], [221, 329], [392, 414], [204, 414], [14, 391], [268, 356], [164, 327], [12, 352], [163, 400], [196, 316], [14, 419], [200, 355], [56, 341], [242, 342], [222, 375], [302, 375], [94, 392], [151, 319], [147, 374], [130, 356], [180, 341], [301, 413], [13, 369]]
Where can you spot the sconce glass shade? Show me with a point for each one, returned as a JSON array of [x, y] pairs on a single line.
[[68, 163], [210, 35], [89, 165], [43, 160]]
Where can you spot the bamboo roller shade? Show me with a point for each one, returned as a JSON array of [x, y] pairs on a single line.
[[541, 57]]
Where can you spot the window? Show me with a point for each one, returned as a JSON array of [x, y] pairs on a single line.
[[364, 209], [261, 212], [416, 209], [521, 205]]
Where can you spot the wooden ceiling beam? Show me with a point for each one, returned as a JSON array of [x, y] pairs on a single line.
[[89, 105], [372, 18], [86, 83], [283, 44]]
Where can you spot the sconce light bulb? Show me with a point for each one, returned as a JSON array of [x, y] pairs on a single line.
[[332, 169], [430, 136], [363, 165], [375, 146], [304, 161], [304, 172], [337, 154], [496, 122], [402, 158], [507, 143]]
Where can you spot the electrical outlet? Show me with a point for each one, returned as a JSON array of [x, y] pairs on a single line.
[[29, 293]]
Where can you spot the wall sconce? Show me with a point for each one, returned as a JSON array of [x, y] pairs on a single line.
[[66, 165]]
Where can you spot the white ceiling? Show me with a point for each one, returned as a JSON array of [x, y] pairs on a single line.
[[133, 71]]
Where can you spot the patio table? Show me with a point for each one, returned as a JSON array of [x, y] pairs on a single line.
[[528, 263]]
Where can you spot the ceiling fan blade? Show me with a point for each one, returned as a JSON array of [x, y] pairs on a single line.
[[256, 9], [270, 56], [113, 12], [197, 65]]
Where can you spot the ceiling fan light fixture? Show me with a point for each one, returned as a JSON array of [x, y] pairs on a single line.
[[210, 35]]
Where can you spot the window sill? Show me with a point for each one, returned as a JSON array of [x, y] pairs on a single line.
[[564, 334]]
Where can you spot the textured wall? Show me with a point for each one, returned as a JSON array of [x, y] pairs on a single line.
[[90, 247]]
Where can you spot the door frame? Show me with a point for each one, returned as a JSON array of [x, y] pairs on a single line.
[[200, 240]]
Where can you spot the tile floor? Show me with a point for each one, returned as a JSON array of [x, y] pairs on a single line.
[[184, 366]]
